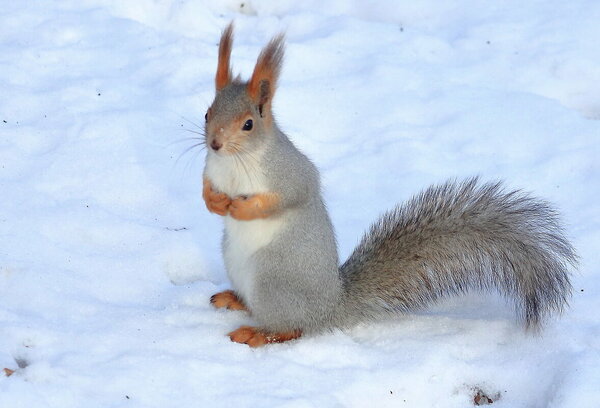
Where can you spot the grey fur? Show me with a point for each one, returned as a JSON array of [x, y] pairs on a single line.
[[455, 237], [297, 282], [449, 239]]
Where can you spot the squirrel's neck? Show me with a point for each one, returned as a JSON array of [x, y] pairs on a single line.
[[237, 175]]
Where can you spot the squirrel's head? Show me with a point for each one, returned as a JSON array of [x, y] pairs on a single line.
[[240, 117]]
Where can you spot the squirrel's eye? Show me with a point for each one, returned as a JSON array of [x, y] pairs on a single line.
[[248, 125], [206, 117]]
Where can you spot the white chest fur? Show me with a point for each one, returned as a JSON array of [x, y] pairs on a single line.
[[244, 238]]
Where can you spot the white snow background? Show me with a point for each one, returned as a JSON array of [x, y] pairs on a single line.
[[108, 256]]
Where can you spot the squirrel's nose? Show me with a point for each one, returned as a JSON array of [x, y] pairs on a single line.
[[215, 145]]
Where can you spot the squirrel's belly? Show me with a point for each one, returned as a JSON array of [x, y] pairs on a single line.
[[243, 239]]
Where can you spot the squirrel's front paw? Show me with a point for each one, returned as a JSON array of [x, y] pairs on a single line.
[[254, 337], [227, 299], [257, 206], [216, 202]]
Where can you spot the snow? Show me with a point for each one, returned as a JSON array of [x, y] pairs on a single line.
[[108, 256]]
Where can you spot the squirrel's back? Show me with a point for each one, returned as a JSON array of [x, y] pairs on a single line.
[[455, 237]]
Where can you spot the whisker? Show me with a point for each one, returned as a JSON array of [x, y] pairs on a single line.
[[189, 121], [241, 162], [249, 154], [194, 131], [238, 148], [254, 159], [202, 144], [193, 157], [185, 139]]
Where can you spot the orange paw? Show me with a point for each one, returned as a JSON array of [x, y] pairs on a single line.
[[248, 335], [254, 337], [227, 299], [257, 206], [216, 202]]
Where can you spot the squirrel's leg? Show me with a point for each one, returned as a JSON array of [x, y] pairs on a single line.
[[227, 299], [255, 337], [216, 202], [260, 205]]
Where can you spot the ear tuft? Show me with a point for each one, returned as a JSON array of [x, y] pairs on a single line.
[[224, 74], [261, 86]]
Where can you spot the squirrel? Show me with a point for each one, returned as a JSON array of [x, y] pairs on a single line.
[[280, 250]]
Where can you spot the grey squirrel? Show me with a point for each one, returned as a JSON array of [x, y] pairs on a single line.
[[279, 246]]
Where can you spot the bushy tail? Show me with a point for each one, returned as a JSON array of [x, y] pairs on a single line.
[[455, 237]]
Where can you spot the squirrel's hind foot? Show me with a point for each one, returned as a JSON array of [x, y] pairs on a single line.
[[254, 337]]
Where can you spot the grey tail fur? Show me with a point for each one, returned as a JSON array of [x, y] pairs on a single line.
[[459, 236]]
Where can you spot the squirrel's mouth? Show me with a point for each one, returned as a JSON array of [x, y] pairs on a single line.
[[224, 150]]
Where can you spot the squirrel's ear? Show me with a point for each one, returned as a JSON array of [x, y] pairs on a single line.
[[261, 86], [223, 77]]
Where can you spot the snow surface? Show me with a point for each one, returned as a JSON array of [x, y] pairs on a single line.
[[109, 257]]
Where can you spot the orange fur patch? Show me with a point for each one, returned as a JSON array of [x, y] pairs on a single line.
[[261, 86], [234, 137], [254, 207], [254, 337], [216, 202], [224, 74], [227, 299]]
